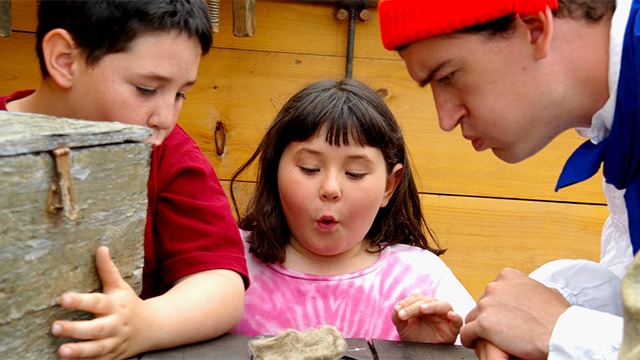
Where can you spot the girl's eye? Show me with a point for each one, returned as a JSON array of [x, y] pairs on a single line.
[[355, 175], [145, 91], [181, 96], [308, 170]]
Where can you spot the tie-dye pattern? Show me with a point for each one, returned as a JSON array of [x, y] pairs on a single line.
[[358, 304]]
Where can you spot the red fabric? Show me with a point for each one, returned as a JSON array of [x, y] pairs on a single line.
[[15, 96], [190, 227], [406, 21]]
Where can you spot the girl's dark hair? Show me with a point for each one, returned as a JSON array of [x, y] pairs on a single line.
[[102, 27], [588, 10], [348, 110]]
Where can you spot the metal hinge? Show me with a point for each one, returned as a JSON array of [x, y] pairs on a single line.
[[62, 195]]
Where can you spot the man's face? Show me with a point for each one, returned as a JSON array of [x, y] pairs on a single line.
[[493, 88], [144, 85]]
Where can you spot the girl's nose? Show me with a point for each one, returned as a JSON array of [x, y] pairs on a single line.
[[330, 189]]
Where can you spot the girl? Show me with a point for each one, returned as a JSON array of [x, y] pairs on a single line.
[[334, 231]]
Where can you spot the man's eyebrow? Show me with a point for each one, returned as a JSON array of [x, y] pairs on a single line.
[[433, 73]]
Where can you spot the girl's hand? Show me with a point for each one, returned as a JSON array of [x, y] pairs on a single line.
[[421, 318], [111, 333]]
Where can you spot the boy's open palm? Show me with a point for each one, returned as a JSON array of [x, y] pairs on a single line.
[[117, 311], [422, 318]]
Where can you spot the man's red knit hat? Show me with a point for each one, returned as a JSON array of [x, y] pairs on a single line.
[[405, 21]]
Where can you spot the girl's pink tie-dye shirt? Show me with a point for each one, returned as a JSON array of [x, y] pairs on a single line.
[[358, 304]]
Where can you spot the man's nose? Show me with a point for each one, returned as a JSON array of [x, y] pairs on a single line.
[[450, 110]]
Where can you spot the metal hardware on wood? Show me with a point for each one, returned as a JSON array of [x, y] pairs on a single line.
[[5, 18], [244, 18], [214, 13], [64, 187], [383, 93], [220, 137]]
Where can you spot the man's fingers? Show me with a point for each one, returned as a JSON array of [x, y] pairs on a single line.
[[469, 334]]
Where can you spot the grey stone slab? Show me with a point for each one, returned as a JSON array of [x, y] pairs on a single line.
[[45, 253]]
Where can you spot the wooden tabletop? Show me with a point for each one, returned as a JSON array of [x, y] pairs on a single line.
[[234, 347]]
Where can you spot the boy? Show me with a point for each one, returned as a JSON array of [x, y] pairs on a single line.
[[132, 61], [514, 75]]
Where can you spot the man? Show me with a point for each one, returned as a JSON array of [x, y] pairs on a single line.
[[514, 75]]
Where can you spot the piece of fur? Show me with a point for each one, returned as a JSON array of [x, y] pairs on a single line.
[[322, 343]]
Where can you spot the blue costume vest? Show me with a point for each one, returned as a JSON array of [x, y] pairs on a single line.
[[620, 151]]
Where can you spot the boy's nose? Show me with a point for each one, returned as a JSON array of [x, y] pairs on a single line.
[[165, 116]]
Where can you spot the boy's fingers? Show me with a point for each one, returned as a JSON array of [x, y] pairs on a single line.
[[96, 303], [98, 328], [108, 271], [87, 349]]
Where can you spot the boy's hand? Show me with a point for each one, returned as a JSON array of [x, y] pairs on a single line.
[[422, 318], [111, 333]]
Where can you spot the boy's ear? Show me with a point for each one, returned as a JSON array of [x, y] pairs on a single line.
[[60, 53], [539, 30], [393, 181]]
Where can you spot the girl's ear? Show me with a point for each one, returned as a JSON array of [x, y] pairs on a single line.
[[393, 181], [60, 53], [539, 30]]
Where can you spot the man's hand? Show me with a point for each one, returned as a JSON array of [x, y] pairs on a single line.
[[515, 313], [117, 313], [424, 319]]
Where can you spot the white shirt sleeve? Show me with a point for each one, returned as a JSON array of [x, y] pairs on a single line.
[[581, 333]]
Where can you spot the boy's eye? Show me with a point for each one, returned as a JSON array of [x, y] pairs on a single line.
[[145, 91], [181, 96]]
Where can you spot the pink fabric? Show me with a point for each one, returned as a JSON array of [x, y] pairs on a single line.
[[358, 304]]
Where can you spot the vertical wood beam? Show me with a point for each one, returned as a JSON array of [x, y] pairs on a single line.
[[244, 18]]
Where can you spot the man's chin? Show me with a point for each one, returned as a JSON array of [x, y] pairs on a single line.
[[510, 157]]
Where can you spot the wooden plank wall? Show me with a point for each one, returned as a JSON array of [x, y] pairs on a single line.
[[487, 213]]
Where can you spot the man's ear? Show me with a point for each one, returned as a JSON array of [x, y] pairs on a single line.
[[393, 181], [539, 31], [60, 53]]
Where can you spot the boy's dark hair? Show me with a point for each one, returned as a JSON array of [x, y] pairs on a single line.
[[349, 111], [587, 10], [102, 27]]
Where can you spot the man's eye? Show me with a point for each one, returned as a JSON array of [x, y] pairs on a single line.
[[145, 91], [446, 79], [181, 96]]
